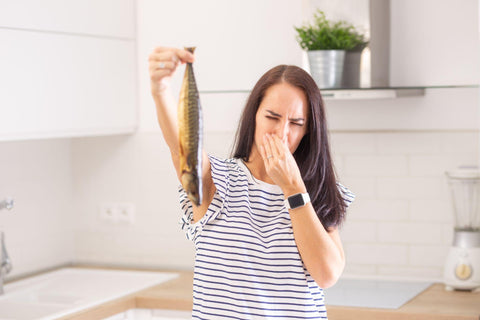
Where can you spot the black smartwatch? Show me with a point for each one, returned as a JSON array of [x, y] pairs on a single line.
[[297, 200]]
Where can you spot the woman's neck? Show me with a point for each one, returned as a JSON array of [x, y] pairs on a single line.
[[257, 168]]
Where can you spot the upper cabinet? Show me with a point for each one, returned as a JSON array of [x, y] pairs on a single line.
[[110, 18], [237, 41], [68, 68], [434, 43]]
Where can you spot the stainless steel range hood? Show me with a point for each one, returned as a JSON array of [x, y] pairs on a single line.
[[373, 18]]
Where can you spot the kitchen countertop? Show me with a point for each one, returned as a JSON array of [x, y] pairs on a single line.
[[433, 303]]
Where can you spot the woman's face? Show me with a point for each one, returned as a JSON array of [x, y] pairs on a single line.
[[284, 113]]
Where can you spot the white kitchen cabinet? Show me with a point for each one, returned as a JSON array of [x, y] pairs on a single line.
[[434, 43], [56, 85], [111, 18], [237, 41]]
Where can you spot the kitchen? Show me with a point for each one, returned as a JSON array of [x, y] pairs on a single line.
[[107, 151]]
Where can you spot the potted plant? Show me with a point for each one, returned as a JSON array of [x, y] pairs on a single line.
[[326, 43]]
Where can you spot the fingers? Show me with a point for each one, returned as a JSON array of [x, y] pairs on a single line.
[[270, 153], [185, 56], [163, 62], [275, 147], [166, 65], [173, 54]]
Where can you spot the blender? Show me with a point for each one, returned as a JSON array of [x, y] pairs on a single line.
[[462, 268]]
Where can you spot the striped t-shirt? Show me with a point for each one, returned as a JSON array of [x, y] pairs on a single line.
[[247, 265]]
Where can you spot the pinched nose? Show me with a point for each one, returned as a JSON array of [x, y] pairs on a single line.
[[282, 132]]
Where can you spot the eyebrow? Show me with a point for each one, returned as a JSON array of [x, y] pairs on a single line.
[[279, 115]]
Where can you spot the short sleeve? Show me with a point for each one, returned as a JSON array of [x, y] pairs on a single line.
[[219, 168], [347, 195]]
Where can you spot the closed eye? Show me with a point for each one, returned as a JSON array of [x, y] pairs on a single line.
[[297, 124], [270, 117]]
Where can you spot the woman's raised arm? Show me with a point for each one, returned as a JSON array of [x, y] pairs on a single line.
[[163, 63]]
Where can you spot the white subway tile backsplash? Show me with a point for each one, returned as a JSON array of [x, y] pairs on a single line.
[[354, 270], [219, 144], [460, 142], [409, 233], [447, 234], [338, 164], [418, 273], [356, 231], [408, 143], [438, 164], [399, 225], [348, 143], [411, 188], [378, 210], [38, 230], [427, 256], [362, 187], [432, 211], [376, 165], [377, 254]]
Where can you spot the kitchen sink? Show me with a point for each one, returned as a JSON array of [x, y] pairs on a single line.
[[69, 290]]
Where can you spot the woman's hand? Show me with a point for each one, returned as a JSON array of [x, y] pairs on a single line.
[[281, 165], [162, 64]]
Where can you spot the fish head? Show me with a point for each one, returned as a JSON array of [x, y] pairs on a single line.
[[191, 186]]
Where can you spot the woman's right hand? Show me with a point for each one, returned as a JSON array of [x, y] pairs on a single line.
[[163, 62]]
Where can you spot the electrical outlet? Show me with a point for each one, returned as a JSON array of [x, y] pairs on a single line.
[[108, 212], [126, 212]]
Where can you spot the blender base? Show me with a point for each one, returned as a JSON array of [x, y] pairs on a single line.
[[462, 269]]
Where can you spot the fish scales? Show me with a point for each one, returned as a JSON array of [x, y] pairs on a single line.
[[190, 136]]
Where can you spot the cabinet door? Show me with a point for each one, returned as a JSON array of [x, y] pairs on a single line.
[[113, 18], [60, 85], [237, 41], [434, 43]]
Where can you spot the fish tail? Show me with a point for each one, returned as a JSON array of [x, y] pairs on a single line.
[[190, 49]]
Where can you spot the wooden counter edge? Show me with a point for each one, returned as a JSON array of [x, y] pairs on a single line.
[[176, 294]]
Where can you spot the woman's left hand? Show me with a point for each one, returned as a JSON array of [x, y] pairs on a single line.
[[281, 165]]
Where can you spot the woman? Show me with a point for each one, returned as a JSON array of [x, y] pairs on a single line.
[[263, 249]]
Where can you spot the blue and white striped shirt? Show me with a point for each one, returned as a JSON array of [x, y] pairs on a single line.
[[247, 265]]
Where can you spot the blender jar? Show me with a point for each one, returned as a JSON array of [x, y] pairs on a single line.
[[465, 188]]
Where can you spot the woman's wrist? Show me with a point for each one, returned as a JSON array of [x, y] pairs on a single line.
[[158, 91], [294, 189]]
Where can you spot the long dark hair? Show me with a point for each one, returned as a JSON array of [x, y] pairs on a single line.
[[313, 153]]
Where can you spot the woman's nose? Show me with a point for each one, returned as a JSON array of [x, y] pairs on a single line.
[[282, 131]]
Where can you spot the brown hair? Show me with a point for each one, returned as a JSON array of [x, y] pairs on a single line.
[[313, 153]]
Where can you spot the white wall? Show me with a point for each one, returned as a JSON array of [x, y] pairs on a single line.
[[38, 230], [44, 99], [391, 153]]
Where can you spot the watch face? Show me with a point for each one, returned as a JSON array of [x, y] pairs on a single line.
[[296, 201]]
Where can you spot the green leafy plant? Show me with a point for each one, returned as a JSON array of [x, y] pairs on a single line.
[[323, 34]]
